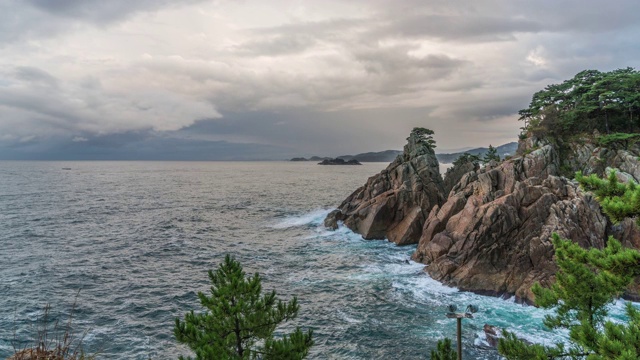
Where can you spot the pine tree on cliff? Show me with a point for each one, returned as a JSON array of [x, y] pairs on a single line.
[[586, 283], [426, 136], [239, 321], [491, 155], [618, 201]]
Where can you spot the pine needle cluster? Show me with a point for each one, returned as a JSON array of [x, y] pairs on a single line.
[[618, 201]]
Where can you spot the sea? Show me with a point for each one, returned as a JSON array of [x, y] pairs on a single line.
[[124, 248]]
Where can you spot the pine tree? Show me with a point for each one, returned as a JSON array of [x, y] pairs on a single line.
[[466, 158], [492, 154], [618, 201], [239, 321], [586, 283], [426, 136], [444, 351]]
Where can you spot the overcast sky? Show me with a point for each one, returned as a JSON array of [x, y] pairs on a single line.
[[264, 79]]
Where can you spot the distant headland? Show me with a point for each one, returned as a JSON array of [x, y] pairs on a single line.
[[390, 155]]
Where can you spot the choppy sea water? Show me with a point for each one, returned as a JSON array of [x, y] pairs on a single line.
[[134, 241]]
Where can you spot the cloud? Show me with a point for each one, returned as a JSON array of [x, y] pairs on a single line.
[[460, 27], [36, 19], [312, 77], [99, 11], [36, 103], [276, 45]]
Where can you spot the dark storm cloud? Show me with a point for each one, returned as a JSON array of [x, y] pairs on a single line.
[[390, 60], [458, 27], [102, 11], [34, 19], [301, 130], [35, 76], [141, 146]]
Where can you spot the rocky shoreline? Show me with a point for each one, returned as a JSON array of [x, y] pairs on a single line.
[[488, 229]]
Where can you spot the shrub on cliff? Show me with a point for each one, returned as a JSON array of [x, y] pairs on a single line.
[[239, 321], [586, 283]]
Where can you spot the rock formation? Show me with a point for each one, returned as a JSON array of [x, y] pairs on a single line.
[[395, 203], [493, 233]]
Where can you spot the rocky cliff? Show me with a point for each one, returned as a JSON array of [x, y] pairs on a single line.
[[395, 203], [491, 233]]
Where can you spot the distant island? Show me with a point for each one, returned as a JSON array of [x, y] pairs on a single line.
[[390, 155], [338, 161]]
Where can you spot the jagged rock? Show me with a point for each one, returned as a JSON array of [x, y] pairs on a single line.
[[589, 158], [455, 173], [493, 233], [395, 203], [331, 221], [492, 334]]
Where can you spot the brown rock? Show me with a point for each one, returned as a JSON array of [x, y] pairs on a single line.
[[331, 221], [492, 234], [492, 335], [395, 203]]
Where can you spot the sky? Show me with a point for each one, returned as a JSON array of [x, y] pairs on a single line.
[[274, 79]]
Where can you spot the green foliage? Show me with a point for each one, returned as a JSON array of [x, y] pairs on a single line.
[[515, 349], [444, 351], [586, 282], [492, 154], [425, 135], [606, 101], [618, 201], [239, 321], [622, 138], [466, 158], [621, 341]]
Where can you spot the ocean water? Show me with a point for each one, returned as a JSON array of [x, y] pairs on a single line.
[[131, 243]]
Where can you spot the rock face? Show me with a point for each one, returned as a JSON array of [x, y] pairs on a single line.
[[493, 234], [395, 203]]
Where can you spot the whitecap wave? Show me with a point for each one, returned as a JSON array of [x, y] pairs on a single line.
[[313, 218]]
